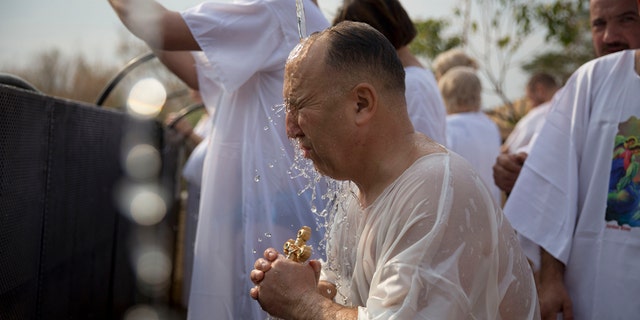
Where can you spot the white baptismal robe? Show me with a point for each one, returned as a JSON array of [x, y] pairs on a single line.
[[433, 245], [561, 198], [424, 104], [249, 200], [475, 137]]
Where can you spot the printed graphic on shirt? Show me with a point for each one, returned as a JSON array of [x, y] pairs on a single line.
[[624, 181]]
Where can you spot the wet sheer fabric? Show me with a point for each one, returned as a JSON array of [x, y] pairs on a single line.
[[434, 245], [249, 201]]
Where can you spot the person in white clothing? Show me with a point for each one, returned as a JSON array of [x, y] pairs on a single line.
[[614, 27], [249, 202], [195, 142], [540, 89], [425, 105], [417, 234], [578, 193], [470, 132]]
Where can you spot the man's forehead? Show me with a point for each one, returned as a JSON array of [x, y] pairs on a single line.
[[297, 50], [612, 7], [304, 59], [302, 51]]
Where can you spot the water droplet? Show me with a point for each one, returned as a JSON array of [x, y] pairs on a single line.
[[259, 239], [314, 209], [267, 234], [256, 178], [255, 251], [266, 128]]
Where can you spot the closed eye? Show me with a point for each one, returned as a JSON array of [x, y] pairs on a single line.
[[629, 17]]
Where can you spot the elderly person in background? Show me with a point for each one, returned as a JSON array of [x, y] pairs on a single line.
[[452, 58], [470, 132], [540, 89]]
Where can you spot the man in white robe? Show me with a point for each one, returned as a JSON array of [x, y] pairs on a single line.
[[540, 90], [578, 193], [416, 234], [249, 201], [614, 27]]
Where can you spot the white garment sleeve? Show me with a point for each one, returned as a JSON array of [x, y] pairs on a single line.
[[543, 205], [238, 39]]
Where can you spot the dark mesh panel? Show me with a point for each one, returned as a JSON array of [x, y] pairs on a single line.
[[24, 129], [84, 168], [64, 247]]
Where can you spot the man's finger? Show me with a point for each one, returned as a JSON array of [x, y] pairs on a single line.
[[256, 276], [271, 254], [254, 292]]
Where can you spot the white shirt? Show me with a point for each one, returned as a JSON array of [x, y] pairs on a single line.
[[424, 103], [526, 128], [475, 137], [249, 202], [192, 170], [433, 245], [570, 197]]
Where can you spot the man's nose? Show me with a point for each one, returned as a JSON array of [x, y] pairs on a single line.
[[611, 33]]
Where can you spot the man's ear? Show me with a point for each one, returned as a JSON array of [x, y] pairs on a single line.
[[367, 102]]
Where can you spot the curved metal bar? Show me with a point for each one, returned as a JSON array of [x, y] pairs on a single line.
[[15, 81], [184, 112], [121, 74]]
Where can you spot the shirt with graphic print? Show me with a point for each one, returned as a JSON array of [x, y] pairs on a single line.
[[577, 195]]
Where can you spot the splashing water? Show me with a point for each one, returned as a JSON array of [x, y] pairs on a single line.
[[302, 25]]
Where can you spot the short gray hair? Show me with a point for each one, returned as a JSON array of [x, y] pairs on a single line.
[[452, 58], [461, 90]]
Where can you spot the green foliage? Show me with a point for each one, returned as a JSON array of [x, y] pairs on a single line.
[[430, 40], [567, 27], [504, 42], [560, 63], [565, 21]]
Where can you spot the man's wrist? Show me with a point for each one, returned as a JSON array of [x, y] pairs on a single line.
[[315, 306]]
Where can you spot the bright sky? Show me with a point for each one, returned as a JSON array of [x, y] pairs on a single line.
[[28, 27]]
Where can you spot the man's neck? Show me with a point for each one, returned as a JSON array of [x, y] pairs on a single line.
[[404, 152], [407, 58]]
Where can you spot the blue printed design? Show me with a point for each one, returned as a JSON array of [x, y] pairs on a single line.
[[624, 181]]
